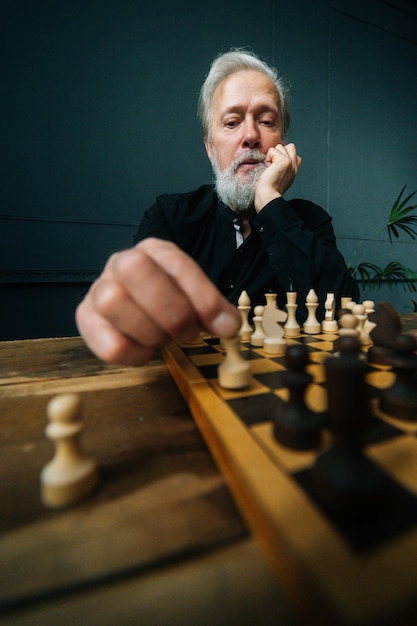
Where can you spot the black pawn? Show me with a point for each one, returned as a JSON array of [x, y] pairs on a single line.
[[348, 345], [400, 400], [294, 424], [345, 480]]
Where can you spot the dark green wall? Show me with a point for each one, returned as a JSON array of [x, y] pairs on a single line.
[[98, 117]]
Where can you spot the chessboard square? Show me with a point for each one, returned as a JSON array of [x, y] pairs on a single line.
[[291, 460], [210, 372], [324, 346], [200, 360], [328, 337], [316, 356], [310, 343], [317, 372], [316, 398], [256, 408], [389, 519], [303, 339], [398, 458], [200, 349], [272, 380], [279, 360], [213, 341], [378, 430], [255, 388], [380, 379], [283, 393], [249, 355], [262, 366]]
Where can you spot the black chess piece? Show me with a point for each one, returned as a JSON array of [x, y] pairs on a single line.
[[348, 345], [387, 326], [400, 400], [294, 424], [345, 480]]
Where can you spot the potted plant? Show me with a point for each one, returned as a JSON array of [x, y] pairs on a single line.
[[401, 220]]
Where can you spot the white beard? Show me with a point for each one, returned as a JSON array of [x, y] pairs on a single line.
[[238, 190]]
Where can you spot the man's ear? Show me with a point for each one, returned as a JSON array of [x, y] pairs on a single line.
[[208, 150]]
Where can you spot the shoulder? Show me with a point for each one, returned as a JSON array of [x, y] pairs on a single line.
[[202, 198]]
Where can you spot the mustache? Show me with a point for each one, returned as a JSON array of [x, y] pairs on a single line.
[[249, 155]]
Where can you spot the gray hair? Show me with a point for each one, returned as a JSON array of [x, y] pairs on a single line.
[[228, 63]]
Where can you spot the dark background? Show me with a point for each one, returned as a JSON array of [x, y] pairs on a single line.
[[99, 116]]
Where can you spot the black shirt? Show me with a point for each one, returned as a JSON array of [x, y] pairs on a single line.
[[291, 247]]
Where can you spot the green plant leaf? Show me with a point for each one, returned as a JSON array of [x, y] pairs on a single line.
[[368, 274], [371, 276], [413, 308], [400, 219]]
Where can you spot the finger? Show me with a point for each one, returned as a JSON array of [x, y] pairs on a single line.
[[107, 343], [213, 310], [114, 304], [141, 290], [173, 290], [281, 147], [275, 154], [292, 153], [278, 154]]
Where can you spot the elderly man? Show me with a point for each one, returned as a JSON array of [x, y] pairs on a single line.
[[196, 252]]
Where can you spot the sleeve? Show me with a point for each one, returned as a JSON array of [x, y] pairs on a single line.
[[301, 246]]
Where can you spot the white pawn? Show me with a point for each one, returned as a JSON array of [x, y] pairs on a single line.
[[369, 308], [234, 372], [348, 325], [258, 336], [311, 325], [359, 311], [70, 475], [291, 326], [244, 306], [329, 324]]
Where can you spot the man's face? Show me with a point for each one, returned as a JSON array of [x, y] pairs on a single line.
[[245, 123], [245, 115]]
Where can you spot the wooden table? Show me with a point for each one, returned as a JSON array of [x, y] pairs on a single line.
[[159, 542]]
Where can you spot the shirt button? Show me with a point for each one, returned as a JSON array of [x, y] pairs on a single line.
[[261, 229]]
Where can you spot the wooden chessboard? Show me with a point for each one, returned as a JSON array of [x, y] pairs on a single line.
[[334, 571]]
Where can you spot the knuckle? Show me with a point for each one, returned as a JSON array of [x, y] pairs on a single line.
[[131, 265], [212, 303], [106, 296]]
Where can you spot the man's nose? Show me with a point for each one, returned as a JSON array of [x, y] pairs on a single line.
[[251, 135]]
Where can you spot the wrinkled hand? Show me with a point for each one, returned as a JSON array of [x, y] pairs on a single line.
[[145, 297], [282, 164]]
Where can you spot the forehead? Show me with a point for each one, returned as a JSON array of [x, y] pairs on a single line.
[[245, 89]]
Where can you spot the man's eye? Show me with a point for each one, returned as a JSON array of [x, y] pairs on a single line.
[[231, 123]]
